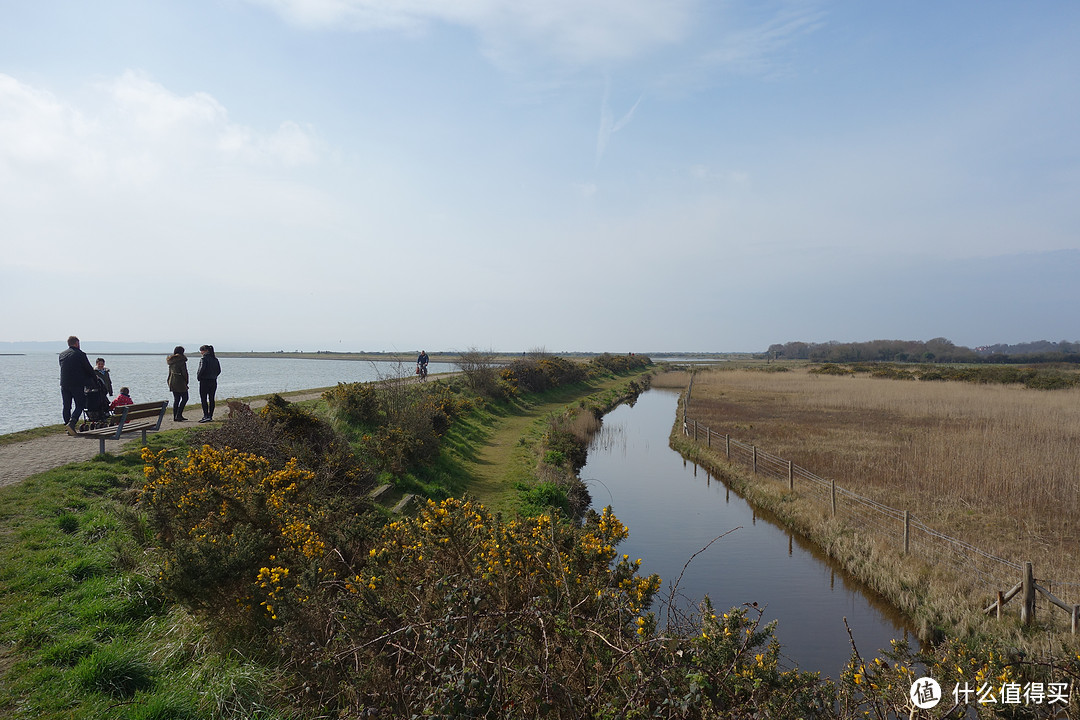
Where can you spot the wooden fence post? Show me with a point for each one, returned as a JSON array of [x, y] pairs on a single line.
[[790, 476], [755, 459], [832, 485], [1076, 619], [727, 441], [695, 431], [708, 437], [907, 531], [1027, 610], [1000, 603]]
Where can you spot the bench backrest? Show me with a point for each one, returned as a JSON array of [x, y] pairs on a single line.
[[143, 410]]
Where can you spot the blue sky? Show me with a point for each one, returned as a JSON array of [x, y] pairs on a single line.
[[613, 175]]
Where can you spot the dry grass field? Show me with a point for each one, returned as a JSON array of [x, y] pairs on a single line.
[[996, 466]]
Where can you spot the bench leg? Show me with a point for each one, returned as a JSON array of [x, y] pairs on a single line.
[[101, 447], [144, 438]]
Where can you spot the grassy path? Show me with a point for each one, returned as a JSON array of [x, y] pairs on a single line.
[[503, 459]]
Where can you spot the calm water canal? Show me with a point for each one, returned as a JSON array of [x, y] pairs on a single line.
[[673, 509]]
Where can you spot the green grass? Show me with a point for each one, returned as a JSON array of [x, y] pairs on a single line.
[[84, 632], [491, 454]]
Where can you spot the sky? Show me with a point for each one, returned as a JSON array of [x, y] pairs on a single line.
[[566, 175]]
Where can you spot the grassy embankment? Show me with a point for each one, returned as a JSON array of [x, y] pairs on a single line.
[[87, 632], [991, 464]]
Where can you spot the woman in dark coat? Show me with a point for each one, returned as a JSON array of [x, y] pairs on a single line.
[[178, 382], [209, 369]]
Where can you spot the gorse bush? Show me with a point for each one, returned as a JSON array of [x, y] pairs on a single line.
[[356, 403], [620, 363], [537, 373], [458, 613], [400, 423], [281, 432], [223, 517]]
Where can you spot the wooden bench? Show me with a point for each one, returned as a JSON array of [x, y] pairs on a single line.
[[132, 418]]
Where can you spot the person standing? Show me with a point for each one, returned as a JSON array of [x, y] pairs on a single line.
[[76, 373], [207, 375], [178, 382], [105, 376]]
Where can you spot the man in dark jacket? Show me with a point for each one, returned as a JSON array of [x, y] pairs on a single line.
[[76, 374]]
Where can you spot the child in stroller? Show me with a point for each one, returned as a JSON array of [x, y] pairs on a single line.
[[97, 405]]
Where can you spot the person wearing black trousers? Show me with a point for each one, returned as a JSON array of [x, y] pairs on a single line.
[[76, 374], [207, 375], [178, 382]]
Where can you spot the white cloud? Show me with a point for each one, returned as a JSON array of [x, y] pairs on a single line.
[[573, 31], [36, 127], [133, 170], [134, 130]]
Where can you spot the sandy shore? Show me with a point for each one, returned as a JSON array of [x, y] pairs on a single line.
[[20, 460]]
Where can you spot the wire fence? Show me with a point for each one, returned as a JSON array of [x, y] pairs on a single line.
[[900, 528]]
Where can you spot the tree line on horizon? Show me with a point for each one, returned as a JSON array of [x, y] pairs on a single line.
[[937, 350]]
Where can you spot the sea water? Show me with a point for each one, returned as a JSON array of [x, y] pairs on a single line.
[[30, 387]]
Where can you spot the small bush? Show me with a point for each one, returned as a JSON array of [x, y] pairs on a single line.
[[544, 498], [538, 373], [355, 403], [554, 457], [620, 363], [481, 373]]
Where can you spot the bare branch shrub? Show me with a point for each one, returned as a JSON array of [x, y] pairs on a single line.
[[481, 372]]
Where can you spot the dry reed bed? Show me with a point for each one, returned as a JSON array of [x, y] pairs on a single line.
[[995, 466]]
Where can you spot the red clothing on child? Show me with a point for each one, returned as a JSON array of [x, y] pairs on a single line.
[[120, 400]]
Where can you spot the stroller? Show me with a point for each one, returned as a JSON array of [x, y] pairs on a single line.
[[97, 405]]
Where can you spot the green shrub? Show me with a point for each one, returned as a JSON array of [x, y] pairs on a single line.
[[355, 403], [544, 498], [831, 369], [555, 457], [620, 363], [481, 372], [538, 373], [568, 445], [281, 432]]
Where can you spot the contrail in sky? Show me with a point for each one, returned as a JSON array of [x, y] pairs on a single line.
[[607, 126]]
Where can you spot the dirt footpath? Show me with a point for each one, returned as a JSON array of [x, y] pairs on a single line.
[[20, 460]]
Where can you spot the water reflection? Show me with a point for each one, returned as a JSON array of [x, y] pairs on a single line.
[[675, 509]]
